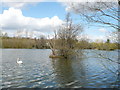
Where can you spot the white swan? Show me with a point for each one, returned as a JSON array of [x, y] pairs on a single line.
[[19, 61]]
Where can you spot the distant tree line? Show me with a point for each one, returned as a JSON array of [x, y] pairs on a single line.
[[43, 43], [27, 43]]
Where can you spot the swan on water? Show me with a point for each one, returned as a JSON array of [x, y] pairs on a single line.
[[19, 61]]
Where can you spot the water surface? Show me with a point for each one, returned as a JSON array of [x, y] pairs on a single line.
[[39, 71]]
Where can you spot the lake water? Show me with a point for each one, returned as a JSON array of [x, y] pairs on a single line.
[[40, 71]]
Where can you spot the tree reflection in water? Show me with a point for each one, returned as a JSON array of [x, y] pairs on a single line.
[[69, 73]]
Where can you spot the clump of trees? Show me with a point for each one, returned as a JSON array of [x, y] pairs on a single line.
[[66, 39]]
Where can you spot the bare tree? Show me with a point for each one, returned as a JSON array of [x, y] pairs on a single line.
[[67, 37], [103, 13], [64, 42], [52, 43]]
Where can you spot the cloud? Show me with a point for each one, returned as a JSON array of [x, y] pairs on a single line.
[[16, 4], [19, 3], [13, 19], [31, 34], [23, 0], [102, 30], [97, 37], [92, 37]]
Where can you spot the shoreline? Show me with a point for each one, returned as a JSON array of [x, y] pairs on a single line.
[[50, 49]]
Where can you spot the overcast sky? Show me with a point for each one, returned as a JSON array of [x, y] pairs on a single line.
[[39, 18]]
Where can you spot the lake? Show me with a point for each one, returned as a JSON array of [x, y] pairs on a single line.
[[40, 71]]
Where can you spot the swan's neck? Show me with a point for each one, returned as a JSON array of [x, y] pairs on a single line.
[[18, 59]]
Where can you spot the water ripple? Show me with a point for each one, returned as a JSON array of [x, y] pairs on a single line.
[[39, 71]]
